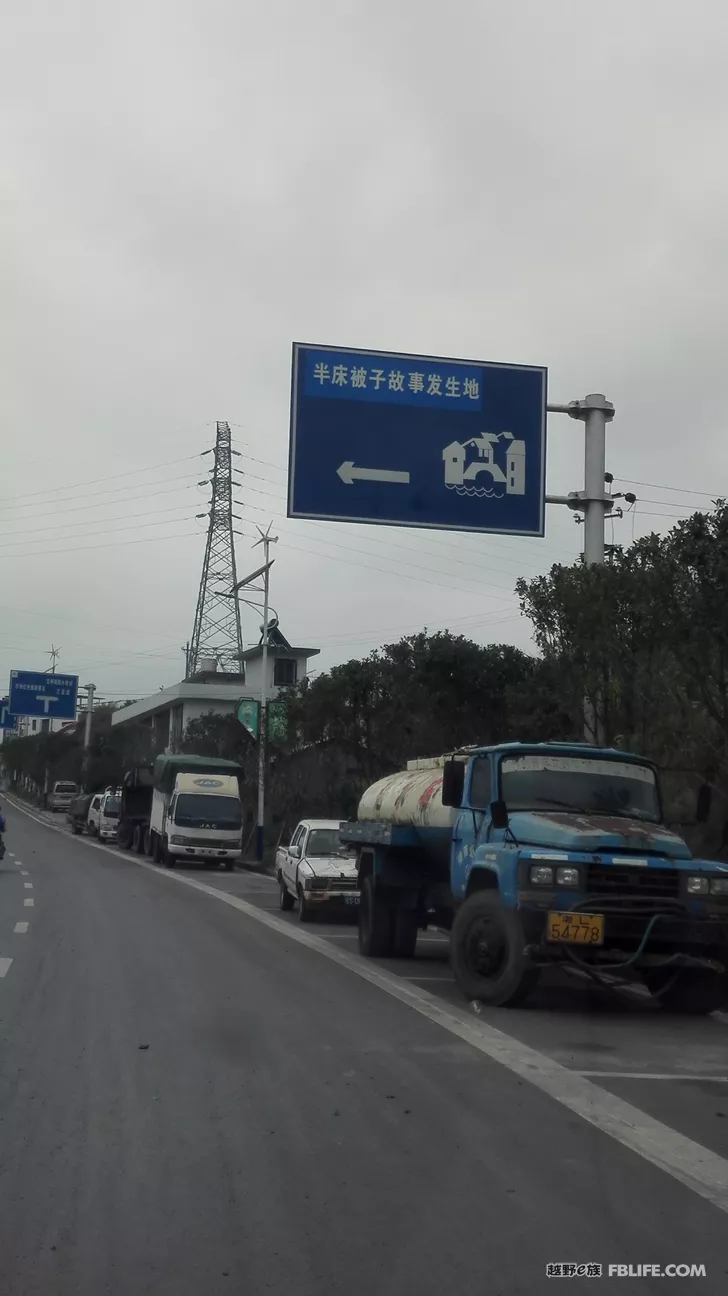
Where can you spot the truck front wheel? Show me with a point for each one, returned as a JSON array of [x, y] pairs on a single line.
[[487, 952], [376, 922], [693, 992]]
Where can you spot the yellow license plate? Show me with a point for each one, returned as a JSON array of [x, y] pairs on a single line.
[[575, 928]]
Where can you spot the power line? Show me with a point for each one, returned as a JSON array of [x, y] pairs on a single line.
[[174, 508], [683, 490], [116, 491], [134, 526], [182, 535], [52, 490]]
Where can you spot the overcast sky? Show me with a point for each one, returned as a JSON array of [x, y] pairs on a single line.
[[190, 185]]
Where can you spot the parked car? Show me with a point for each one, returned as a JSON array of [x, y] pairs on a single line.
[[78, 813], [317, 870], [103, 815], [61, 795]]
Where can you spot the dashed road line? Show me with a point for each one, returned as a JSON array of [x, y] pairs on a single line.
[[28, 886], [21, 928], [29, 903], [695, 1166], [25, 873], [5, 966]]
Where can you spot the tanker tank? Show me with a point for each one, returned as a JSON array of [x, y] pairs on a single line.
[[413, 799]]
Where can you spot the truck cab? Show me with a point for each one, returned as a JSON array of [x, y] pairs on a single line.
[[197, 817], [103, 814]]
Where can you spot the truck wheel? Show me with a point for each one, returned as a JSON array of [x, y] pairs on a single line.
[[167, 859], [147, 843], [124, 836], [228, 866], [486, 952], [406, 927], [137, 840], [691, 991], [376, 922], [156, 848], [286, 901], [305, 914]]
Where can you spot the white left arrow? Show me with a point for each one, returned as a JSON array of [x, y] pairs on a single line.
[[349, 474]]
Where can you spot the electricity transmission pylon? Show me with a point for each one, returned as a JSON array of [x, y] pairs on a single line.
[[217, 631]]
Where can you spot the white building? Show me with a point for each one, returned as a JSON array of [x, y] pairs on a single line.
[[171, 710]]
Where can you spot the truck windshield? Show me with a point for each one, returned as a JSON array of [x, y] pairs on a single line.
[[579, 784], [209, 811], [111, 809], [325, 841]]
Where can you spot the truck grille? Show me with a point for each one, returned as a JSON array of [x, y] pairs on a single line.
[[633, 881], [210, 843], [336, 884]]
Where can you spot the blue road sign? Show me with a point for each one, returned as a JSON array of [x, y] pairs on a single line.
[[417, 441], [7, 721], [33, 693]]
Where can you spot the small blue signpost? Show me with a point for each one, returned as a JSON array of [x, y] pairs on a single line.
[[417, 441], [33, 693], [7, 721]]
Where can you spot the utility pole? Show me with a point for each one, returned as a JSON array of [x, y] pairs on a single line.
[[595, 411], [266, 539], [90, 690], [54, 654]]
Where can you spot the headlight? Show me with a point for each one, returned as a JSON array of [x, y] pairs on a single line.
[[566, 876], [698, 886], [719, 886], [541, 875], [315, 884], [175, 841]]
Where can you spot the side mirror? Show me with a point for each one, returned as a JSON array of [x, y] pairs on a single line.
[[498, 814], [704, 802], [453, 782], [294, 852]]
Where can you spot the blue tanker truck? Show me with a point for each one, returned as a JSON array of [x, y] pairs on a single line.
[[535, 854]]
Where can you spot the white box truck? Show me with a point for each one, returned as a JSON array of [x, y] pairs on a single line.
[[196, 812]]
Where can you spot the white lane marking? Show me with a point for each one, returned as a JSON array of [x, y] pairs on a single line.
[[415, 977], [25, 873], [691, 1164], [21, 927], [29, 903], [652, 1075], [5, 966], [721, 1017], [11, 854], [18, 863], [28, 886]]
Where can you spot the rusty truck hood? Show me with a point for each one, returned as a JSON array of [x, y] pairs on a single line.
[[596, 833]]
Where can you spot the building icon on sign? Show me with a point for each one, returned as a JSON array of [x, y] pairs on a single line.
[[498, 467]]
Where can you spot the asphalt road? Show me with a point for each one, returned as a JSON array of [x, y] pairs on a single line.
[[193, 1101]]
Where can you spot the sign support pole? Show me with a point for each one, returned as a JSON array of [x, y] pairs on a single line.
[[595, 411]]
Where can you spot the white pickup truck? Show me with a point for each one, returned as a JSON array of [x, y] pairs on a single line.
[[316, 870]]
